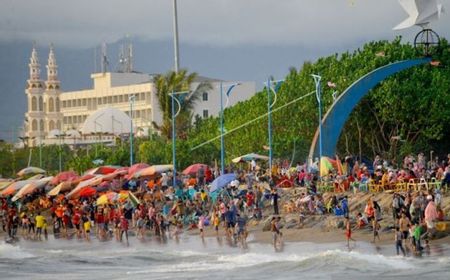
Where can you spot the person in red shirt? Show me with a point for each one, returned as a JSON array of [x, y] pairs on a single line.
[[250, 198], [123, 228], [100, 220], [76, 220]]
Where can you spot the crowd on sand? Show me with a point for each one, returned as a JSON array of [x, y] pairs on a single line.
[[154, 208]]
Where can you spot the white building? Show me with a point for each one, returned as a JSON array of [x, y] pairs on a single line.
[[92, 115]]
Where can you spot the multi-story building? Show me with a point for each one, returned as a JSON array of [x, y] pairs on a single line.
[[103, 111]]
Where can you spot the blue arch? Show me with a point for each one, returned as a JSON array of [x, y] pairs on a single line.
[[334, 120]]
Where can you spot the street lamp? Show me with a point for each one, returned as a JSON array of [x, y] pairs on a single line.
[[317, 79], [174, 115], [60, 136], [131, 100], [222, 146], [97, 134], [274, 89]]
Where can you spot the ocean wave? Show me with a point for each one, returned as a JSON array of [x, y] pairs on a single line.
[[8, 251]]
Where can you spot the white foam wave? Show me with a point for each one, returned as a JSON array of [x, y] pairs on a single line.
[[8, 251]]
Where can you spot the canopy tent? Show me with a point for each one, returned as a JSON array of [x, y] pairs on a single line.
[[249, 157]]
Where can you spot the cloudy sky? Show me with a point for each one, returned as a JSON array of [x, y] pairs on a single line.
[[227, 39], [84, 23]]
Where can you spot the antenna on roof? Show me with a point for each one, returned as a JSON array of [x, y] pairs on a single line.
[[105, 62], [126, 58]]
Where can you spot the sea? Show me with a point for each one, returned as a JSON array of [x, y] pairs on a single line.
[[214, 258]]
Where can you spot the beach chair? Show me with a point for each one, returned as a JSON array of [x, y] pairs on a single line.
[[374, 187], [363, 187], [434, 184], [401, 186], [422, 184], [412, 185]]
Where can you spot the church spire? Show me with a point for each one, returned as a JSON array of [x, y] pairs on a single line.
[[34, 65], [52, 67]]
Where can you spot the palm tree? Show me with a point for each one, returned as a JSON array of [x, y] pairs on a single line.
[[177, 82]]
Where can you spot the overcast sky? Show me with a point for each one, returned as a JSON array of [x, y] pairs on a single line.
[[307, 23]]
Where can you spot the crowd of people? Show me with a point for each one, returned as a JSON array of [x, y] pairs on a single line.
[[149, 207]]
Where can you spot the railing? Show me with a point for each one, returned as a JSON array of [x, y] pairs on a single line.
[[375, 187]]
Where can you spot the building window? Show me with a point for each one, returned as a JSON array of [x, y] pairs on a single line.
[[99, 101], [120, 98], [33, 104], [65, 120], [142, 95], [115, 99], [109, 99], [205, 96], [205, 114], [64, 104], [79, 102], [84, 101]]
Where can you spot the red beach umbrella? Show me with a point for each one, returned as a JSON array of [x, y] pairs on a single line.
[[88, 192]]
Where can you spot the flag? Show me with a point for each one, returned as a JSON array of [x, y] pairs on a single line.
[[133, 199]]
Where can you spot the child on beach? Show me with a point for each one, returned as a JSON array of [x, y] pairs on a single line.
[[376, 229], [398, 241], [348, 231], [86, 226]]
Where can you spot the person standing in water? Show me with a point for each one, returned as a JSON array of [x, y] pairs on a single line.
[[399, 241], [348, 231]]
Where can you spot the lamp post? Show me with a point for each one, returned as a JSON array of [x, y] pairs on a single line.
[[40, 150], [274, 89], [174, 134], [317, 79], [131, 100], [222, 146], [60, 136]]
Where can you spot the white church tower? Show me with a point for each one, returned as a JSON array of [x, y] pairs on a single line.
[[52, 109], [35, 116]]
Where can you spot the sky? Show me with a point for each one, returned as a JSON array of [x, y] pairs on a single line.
[[228, 39], [84, 23]]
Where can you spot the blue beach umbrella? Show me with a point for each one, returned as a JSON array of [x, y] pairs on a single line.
[[222, 181]]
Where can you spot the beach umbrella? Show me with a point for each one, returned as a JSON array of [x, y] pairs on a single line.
[[101, 170], [103, 186], [31, 187], [194, 168], [64, 176], [87, 192], [14, 187], [153, 170], [5, 184], [56, 190], [81, 185], [30, 170], [107, 198], [249, 157], [135, 168], [221, 181], [36, 177]]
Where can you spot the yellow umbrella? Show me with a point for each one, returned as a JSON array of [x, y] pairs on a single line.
[[103, 199]]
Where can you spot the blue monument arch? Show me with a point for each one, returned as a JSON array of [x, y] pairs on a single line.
[[334, 120]]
